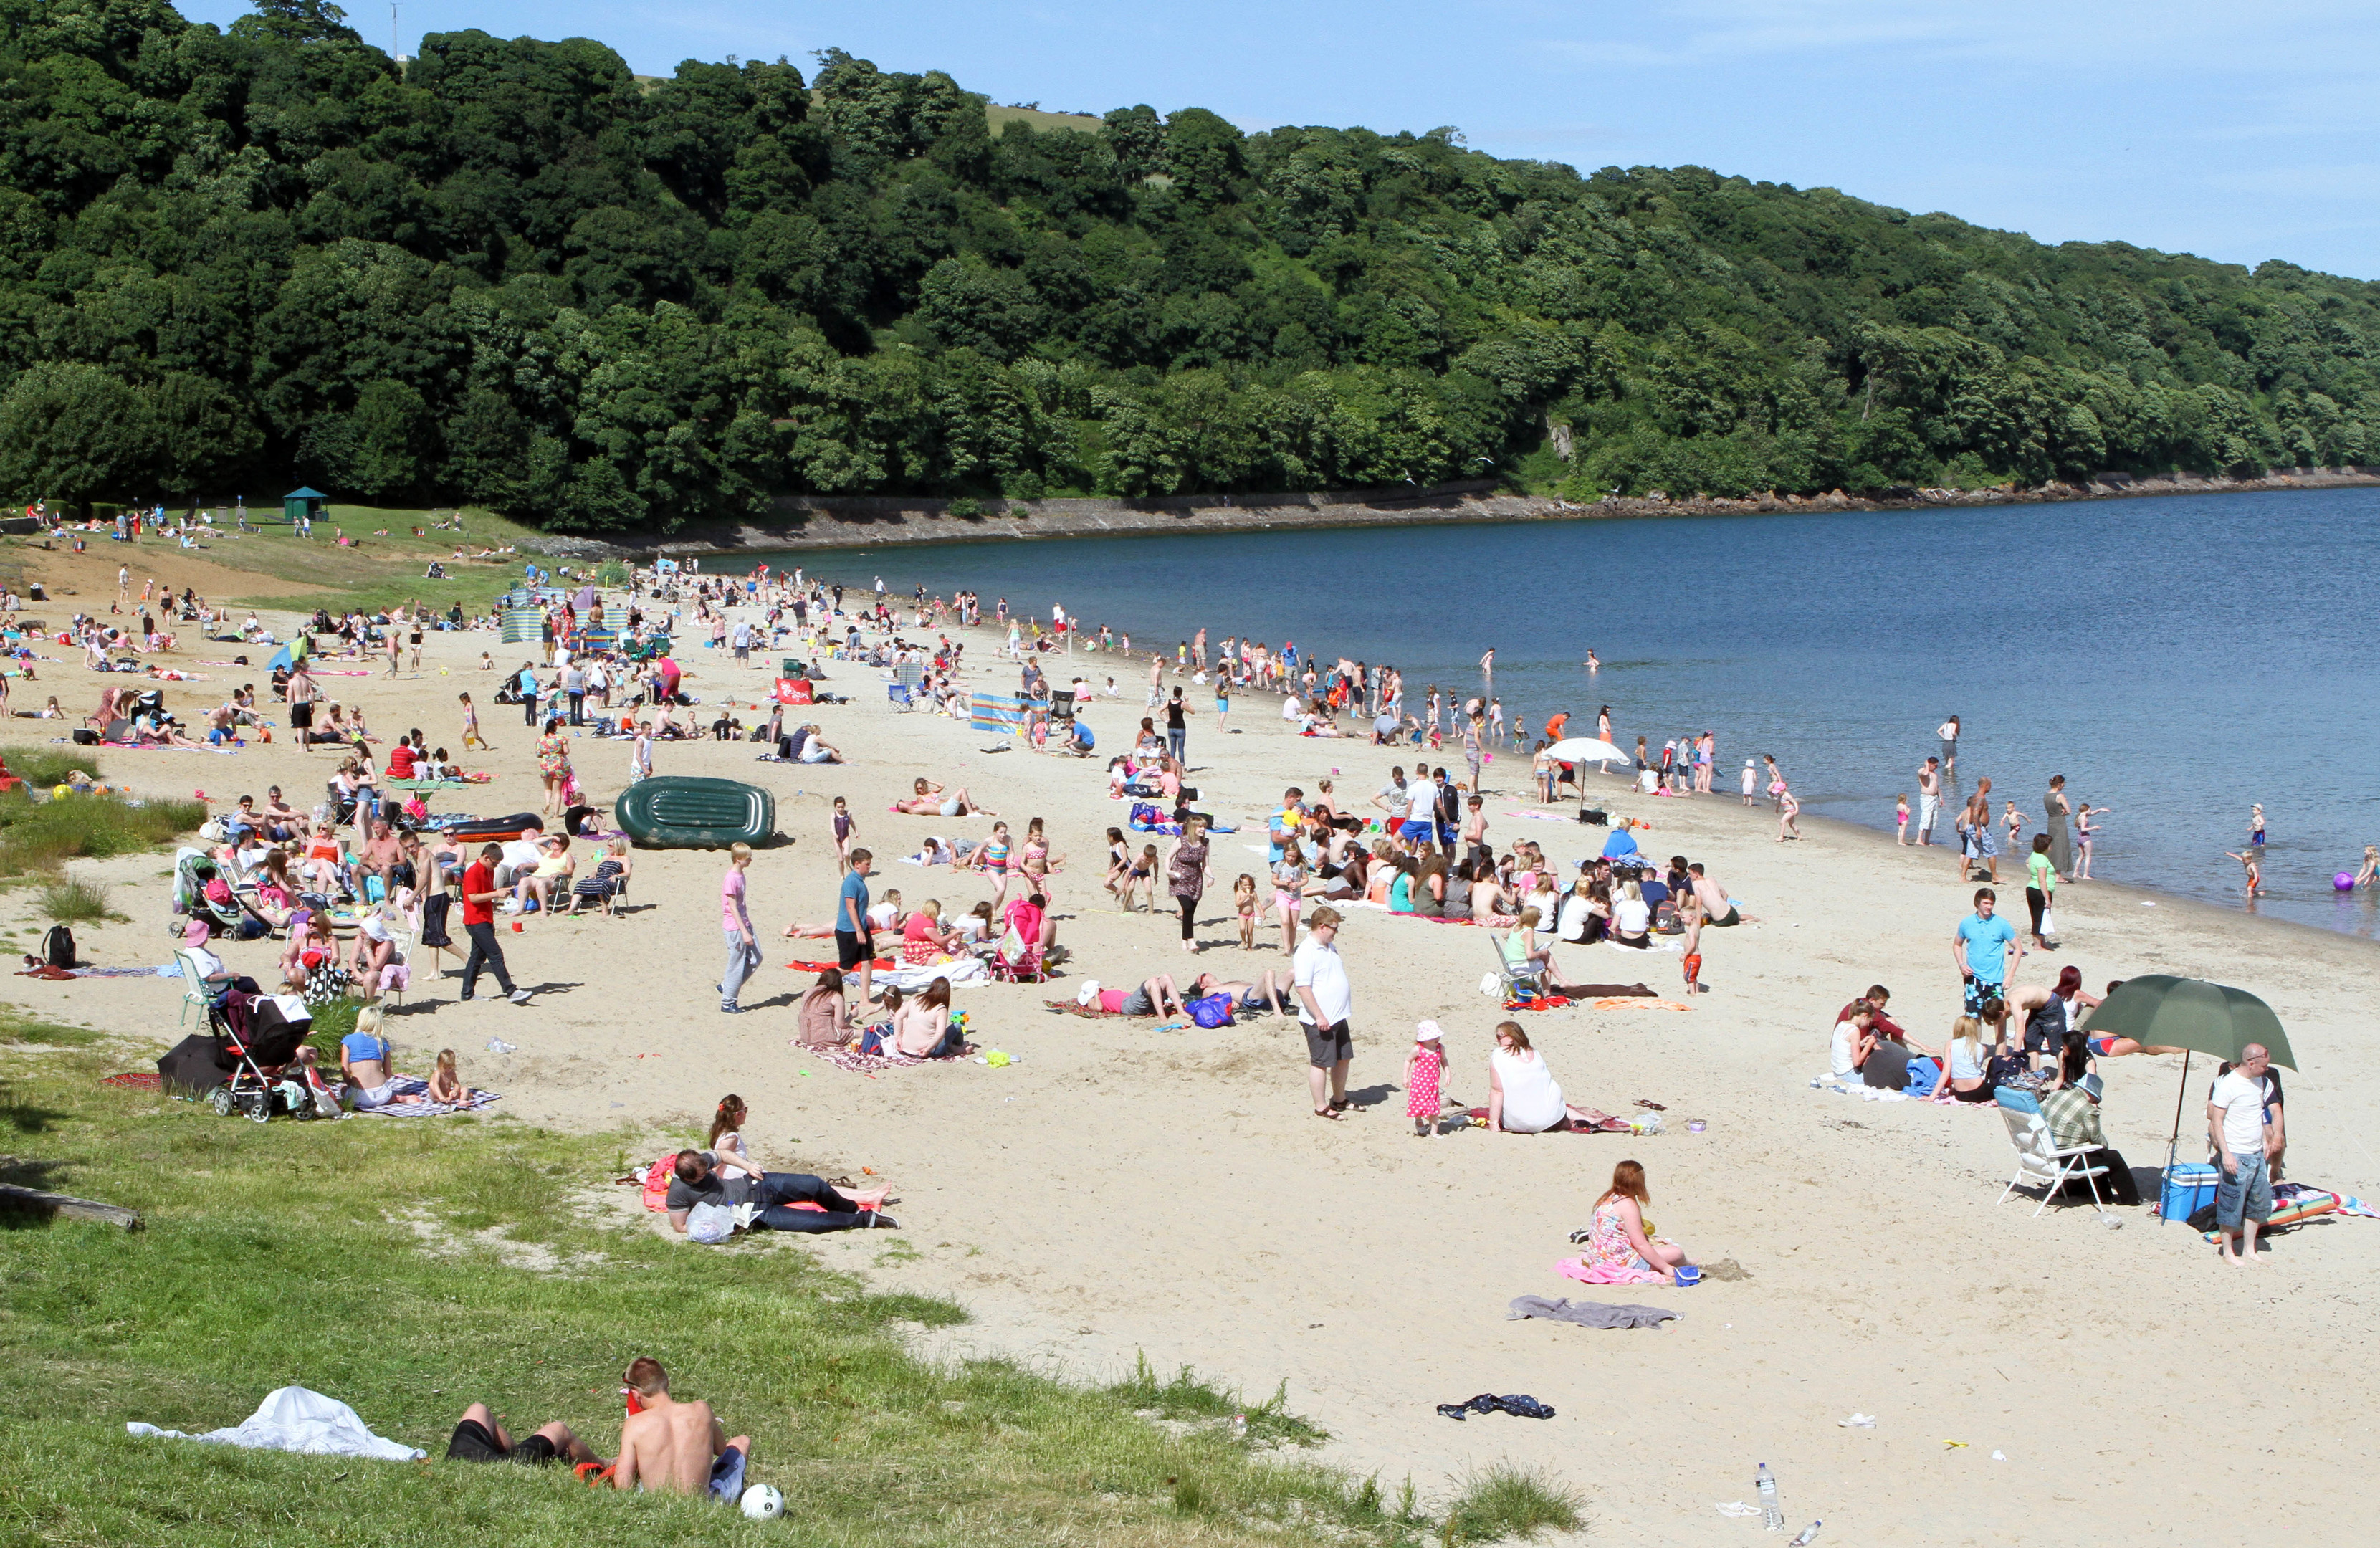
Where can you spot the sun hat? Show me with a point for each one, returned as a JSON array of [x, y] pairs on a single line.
[[2092, 1087], [1427, 1032], [1089, 993]]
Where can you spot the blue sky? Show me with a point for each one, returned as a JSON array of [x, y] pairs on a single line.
[[2237, 131]]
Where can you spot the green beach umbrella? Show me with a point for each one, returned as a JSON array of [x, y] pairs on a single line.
[[2162, 1011], [2165, 1011]]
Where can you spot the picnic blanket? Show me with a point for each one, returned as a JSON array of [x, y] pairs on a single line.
[[135, 1080], [411, 1085], [871, 1064]]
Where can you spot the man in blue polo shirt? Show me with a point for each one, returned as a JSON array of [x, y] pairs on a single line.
[[1985, 951]]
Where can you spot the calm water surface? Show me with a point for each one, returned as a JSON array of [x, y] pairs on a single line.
[[2177, 659]]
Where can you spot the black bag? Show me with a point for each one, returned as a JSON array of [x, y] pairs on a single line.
[[59, 947], [85, 736]]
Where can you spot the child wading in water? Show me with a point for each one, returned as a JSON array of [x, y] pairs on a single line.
[[1244, 903], [2248, 863], [1422, 1069]]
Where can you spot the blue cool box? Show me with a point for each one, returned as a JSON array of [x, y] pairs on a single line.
[[2189, 1187]]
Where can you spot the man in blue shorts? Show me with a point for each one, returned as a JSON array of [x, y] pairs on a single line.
[[677, 1449]]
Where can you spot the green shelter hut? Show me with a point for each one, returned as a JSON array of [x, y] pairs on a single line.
[[304, 505]]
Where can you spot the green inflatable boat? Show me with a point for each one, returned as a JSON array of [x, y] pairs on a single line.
[[678, 811]]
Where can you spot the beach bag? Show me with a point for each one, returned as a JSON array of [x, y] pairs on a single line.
[[59, 947], [2048, 923], [1145, 816], [1212, 1010], [874, 1040], [709, 1224], [657, 1182]]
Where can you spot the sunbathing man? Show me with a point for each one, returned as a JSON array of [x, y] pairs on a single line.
[[1718, 909], [1265, 994], [676, 1447], [929, 799], [479, 1438]]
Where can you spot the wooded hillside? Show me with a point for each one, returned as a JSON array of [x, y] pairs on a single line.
[[515, 274]]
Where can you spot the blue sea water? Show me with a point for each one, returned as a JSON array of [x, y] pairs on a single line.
[[2177, 659]]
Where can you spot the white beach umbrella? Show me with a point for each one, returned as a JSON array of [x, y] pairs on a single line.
[[1587, 750]]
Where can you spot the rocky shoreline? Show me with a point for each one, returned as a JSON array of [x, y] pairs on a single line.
[[881, 521]]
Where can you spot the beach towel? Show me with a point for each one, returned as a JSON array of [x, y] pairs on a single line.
[[1586, 1313], [881, 965], [2294, 1207], [294, 1419], [410, 1085], [1608, 1274], [959, 970], [135, 1080], [1604, 991], [1071, 1008], [871, 1064], [1608, 1125], [1634, 1003], [1541, 1002]]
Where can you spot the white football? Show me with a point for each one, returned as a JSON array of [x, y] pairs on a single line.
[[762, 1502]]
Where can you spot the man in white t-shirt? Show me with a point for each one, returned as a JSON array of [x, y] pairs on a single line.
[[1319, 978], [2235, 1124]]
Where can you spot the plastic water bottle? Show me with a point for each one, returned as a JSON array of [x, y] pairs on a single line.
[[1772, 1516], [1239, 1427], [1808, 1533]]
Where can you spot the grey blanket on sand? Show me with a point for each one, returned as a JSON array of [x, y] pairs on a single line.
[[1587, 1313]]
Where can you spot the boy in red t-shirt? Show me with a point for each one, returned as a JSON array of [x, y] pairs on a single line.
[[479, 895]]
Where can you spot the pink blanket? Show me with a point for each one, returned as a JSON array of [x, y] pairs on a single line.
[[1604, 1273]]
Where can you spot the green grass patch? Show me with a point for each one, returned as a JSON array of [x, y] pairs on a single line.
[[1188, 1398], [42, 767], [1508, 1501], [40, 835], [410, 1267], [77, 902]]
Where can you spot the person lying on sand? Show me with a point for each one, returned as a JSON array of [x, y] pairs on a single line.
[[1155, 993], [696, 1181], [929, 799], [1267, 994]]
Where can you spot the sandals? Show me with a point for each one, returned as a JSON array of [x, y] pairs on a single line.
[[1327, 1113]]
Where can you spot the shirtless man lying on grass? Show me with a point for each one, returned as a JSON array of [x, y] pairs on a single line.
[[676, 1447]]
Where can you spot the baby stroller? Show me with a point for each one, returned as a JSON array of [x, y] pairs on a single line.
[[254, 1071], [266, 1077], [193, 869]]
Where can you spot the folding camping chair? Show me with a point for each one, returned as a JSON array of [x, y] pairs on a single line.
[[1517, 980], [2039, 1161]]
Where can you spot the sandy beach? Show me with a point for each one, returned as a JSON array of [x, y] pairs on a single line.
[[1120, 1191]]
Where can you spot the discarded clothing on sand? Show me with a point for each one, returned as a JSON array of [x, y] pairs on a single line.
[[1586, 1313]]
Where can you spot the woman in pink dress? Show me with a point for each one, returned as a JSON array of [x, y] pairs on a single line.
[[1619, 1250]]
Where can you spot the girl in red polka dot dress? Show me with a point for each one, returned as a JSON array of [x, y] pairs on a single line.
[[1422, 1070]]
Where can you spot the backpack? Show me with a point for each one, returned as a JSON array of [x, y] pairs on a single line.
[[1214, 1010], [59, 947]]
